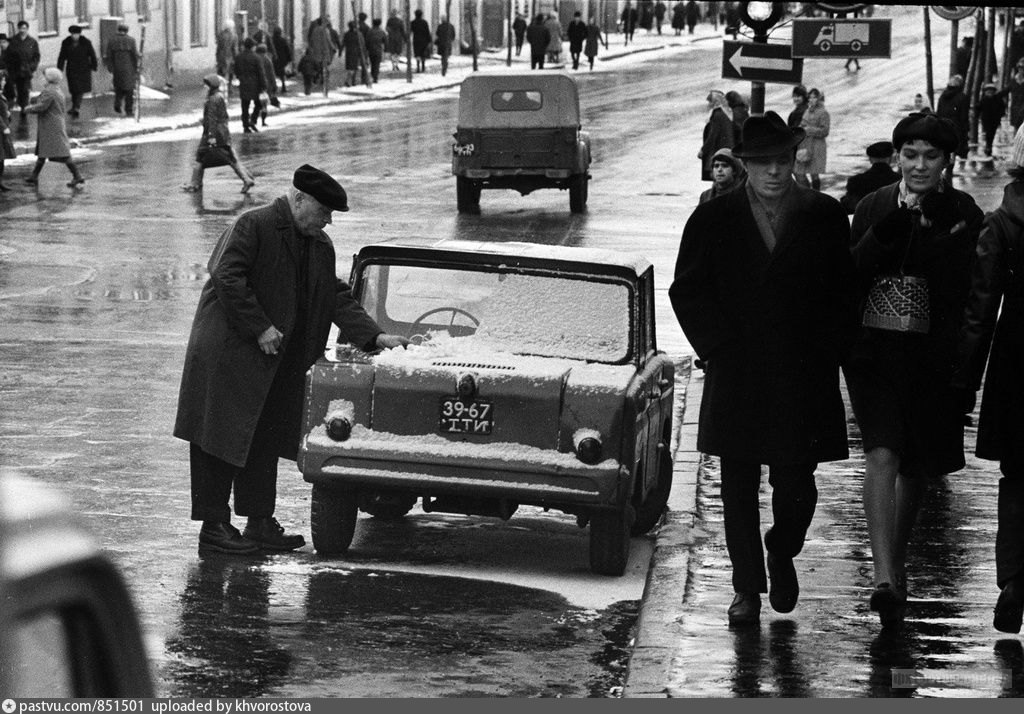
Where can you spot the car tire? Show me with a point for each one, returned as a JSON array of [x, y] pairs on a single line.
[[387, 508], [648, 513], [578, 193], [609, 540], [467, 195], [333, 514]]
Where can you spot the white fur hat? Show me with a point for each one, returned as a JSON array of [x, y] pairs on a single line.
[[53, 75]]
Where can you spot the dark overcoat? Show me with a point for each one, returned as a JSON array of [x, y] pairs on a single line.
[[252, 78], [718, 134], [77, 60], [998, 277], [860, 185], [771, 326], [253, 284], [122, 60]]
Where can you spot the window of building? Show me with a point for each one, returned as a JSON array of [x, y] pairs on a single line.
[[116, 8], [197, 24], [174, 24], [47, 16], [82, 11]]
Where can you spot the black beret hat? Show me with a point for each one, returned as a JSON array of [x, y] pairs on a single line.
[[74, 30], [880, 150], [320, 186], [937, 131]]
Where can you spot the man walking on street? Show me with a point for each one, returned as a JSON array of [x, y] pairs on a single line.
[[263, 319], [764, 292], [252, 80], [538, 37], [577, 32], [121, 59], [77, 60], [22, 59], [444, 37]]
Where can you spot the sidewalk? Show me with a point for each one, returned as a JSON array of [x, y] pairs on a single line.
[[181, 107]]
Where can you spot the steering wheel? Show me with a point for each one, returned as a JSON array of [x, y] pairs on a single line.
[[455, 311]]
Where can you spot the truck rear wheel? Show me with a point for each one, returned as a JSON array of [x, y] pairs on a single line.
[[578, 193], [467, 195], [609, 540], [333, 514]]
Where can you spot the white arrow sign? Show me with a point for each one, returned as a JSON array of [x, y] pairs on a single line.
[[765, 63]]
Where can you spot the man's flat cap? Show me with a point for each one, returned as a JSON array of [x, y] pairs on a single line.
[[74, 30], [320, 186], [880, 150]]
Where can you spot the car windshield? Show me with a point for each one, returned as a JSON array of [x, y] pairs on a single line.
[[544, 313]]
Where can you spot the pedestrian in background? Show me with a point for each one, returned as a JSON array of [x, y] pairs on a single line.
[[799, 107], [77, 60], [321, 50], [308, 68], [52, 134], [6, 144], [718, 131], [252, 81], [727, 174], [227, 50], [880, 173], [920, 105], [376, 43], [812, 154], [444, 37], [629, 20], [740, 111], [538, 37], [420, 29], [660, 8], [679, 17], [352, 46], [121, 59], [554, 39], [1015, 89], [282, 57], [953, 104], [519, 31], [268, 97], [263, 318], [763, 291], [261, 36], [990, 109], [995, 317], [21, 59], [692, 15], [577, 34], [395, 29], [594, 40], [912, 245], [215, 144]]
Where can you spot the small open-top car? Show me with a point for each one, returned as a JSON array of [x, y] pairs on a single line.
[[534, 378], [520, 131]]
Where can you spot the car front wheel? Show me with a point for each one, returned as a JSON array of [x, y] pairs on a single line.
[[333, 514], [609, 540], [648, 513], [578, 193]]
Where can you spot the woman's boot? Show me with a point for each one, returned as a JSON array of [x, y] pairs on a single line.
[[247, 179], [34, 178], [2, 187], [76, 176]]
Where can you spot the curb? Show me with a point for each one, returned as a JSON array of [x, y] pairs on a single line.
[[649, 669]]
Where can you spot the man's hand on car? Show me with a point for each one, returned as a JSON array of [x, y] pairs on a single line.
[[386, 341]]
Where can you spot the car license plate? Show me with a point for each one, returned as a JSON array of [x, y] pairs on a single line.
[[461, 416]]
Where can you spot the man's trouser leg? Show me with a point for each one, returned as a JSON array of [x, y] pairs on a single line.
[[1010, 531], [211, 486], [24, 86], [794, 498], [740, 483]]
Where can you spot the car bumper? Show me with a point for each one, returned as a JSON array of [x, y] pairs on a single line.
[[524, 474]]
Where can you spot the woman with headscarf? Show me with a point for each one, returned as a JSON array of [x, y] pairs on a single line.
[[811, 155], [52, 136], [215, 145], [913, 244], [718, 131]]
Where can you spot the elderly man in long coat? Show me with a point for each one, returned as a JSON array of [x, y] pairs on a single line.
[[764, 292], [121, 58], [77, 59], [263, 319]]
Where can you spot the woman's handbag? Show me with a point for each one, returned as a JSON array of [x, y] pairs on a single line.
[[213, 156], [898, 302]]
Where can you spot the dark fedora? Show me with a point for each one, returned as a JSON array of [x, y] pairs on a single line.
[[766, 136]]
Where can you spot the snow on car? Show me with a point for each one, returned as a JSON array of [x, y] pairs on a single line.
[[534, 378]]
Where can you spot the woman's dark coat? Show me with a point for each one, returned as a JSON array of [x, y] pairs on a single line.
[[998, 276], [718, 134], [77, 60], [770, 325], [420, 30], [253, 285]]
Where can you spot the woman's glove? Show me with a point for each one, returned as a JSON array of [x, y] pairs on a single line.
[[895, 227], [940, 210]]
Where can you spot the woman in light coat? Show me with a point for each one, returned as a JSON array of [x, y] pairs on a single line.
[[811, 155], [52, 136]]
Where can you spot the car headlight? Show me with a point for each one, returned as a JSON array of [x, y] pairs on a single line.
[[339, 428], [588, 447]]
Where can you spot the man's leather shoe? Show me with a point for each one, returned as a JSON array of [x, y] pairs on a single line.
[[270, 535], [224, 538], [1009, 611], [784, 590], [745, 610]]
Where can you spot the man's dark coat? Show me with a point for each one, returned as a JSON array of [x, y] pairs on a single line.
[[77, 60], [860, 185], [770, 325], [253, 285]]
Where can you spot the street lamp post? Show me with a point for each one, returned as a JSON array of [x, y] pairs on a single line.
[[759, 17]]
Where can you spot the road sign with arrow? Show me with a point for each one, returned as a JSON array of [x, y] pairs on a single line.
[[760, 62]]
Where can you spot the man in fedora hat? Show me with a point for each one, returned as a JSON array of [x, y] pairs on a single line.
[[763, 290], [263, 319], [879, 173]]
